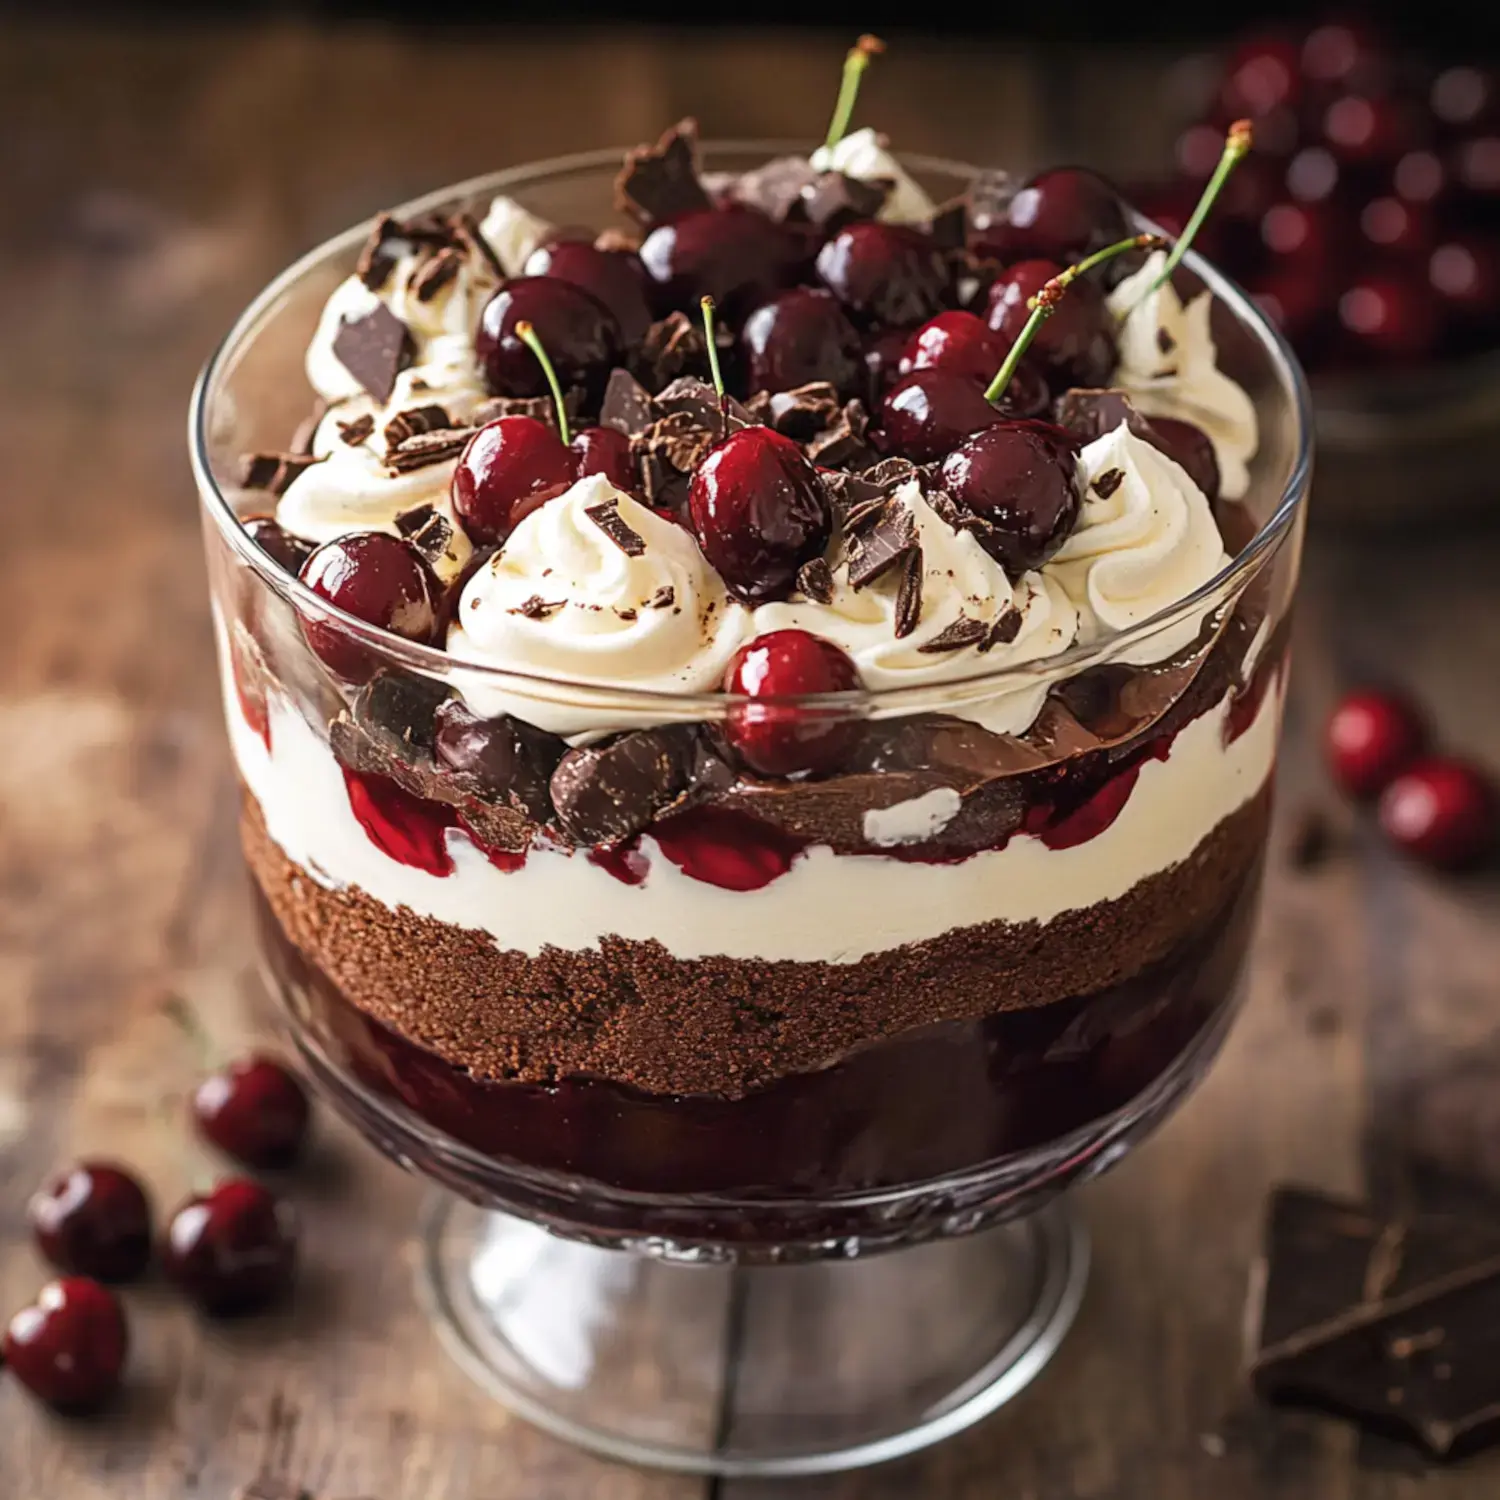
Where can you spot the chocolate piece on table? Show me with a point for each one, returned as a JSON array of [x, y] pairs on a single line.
[[833, 200], [374, 349], [1395, 1324], [608, 792], [661, 182], [627, 406], [273, 472]]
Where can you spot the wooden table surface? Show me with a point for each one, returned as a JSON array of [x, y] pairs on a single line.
[[151, 181]]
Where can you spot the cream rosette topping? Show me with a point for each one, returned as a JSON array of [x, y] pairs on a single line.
[[865, 155], [594, 588], [971, 619], [1169, 365], [1145, 539]]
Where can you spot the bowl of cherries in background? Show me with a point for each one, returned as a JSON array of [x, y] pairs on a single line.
[[1366, 222]]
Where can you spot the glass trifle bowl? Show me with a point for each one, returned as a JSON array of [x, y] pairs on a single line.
[[749, 1097]]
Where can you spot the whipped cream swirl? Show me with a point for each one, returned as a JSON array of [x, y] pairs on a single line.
[[865, 155], [960, 582], [1169, 365], [1146, 538], [562, 600], [513, 232]]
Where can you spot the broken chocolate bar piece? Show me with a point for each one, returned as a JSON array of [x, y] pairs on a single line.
[[1392, 1323]]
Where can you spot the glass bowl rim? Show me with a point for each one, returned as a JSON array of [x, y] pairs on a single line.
[[435, 662]]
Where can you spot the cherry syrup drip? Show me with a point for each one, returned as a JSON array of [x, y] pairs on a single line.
[[624, 861], [725, 848], [409, 829], [1244, 708], [508, 860], [1087, 820]]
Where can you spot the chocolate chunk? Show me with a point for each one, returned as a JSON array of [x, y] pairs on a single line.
[[1004, 628], [700, 399], [673, 347], [679, 439], [949, 223], [628, 406], [541, 408], [1108, 482], [608, 792], [608, 519], [467, 232], [878, 536], [413, 420], [664, 598], [425, 448], [815, 581], [374, 349], [435, 273], [510, 761], [833, 200], [1164, 340], [909, 594], [842, 444], [1089, 413], [273, 471], [1391, 1323], [964, 631], [399, 708], [661, 182], [777, 188], [378, 256], [357, 431], [537, 608], [433, 538], [802, 413]]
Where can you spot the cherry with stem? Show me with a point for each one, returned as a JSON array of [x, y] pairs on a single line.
[[855, 63], [528, 336]]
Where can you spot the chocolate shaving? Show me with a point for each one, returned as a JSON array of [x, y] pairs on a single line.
[[273, 471], [467, 232], [815, 580], [374, 349], [357, 431], [425, 448], [542, 408], [628, 406], [678, 438], [664, 598], [1108, 482], [414, 419], [805, 411], [625, 614], [661, 182], [376, 259], [537, 608], [909, 594], [435, 273], [673, 347], [1164, 340], [879, 535], [608, 519], [1004, 628], [962, 632], [701, 400], [833, 200]]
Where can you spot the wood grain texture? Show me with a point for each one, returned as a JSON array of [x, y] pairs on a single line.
[[153, 180]]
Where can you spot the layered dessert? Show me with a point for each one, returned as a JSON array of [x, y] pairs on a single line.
[[780, 760]]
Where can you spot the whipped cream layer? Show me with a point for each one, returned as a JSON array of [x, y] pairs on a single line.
[[827, 908], [1170, 366]]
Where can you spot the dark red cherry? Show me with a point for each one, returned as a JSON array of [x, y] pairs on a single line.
[[1370, 738], [1190, 447], [734, 254], [68, 1348], [1076, 345], [614, 277], [928, 413], [509, 468], [1392, 320], [382, 580], [578, 331], [602, 450], [800, 336], [233, 1249], [882, 362], [1062, 215], [255, 1111], [1021, 477], [785, 738], [958, 342], [1263, 73], [279, 545], [888, 275], [1441, 811], [93, 1220], [759, 511]]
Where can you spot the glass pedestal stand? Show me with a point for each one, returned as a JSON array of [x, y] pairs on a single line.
[[750, 1371]]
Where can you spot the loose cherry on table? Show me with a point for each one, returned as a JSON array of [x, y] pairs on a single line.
[[1369, 739], [615, 278], [509, 467], [68, 1348], [1441, 811], [233, 1249], [602, 450], [382, 580], [885, 275], [799, 336], [958, 342], [255, 1111], [279, 545], [759, 511], [1021, 477], [580, 333], [93, 1220], [1075, 346], [783, 737], [734, 254], [1061, 215]]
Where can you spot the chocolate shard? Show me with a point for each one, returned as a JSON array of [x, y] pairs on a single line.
[[510, 762], [964, 631], [664, 598], [1003, 629], [1089, 413], [678, 440], [674, 347], [628, 406], [878, 535], [777, 188], [909, 594], [378, 255], [542, 408], [357, 431], [413, 420], [805, 411], [833, 200], [273, 472], [841, 444], [436, 272], [661, 182], [608, 519], [815, 581], [1392, 1323], [426, 448], [604, 793], [467, 233], [702, 401], [433, 538], [374, 349], [1108, 482], [399, 709]]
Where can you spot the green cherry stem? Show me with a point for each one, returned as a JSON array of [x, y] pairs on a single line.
[[528, 336], [1236, 143], [707, 304], [1044, 304], [855, 63]]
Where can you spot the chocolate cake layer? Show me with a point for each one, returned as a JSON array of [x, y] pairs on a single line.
[[633, 1013]]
